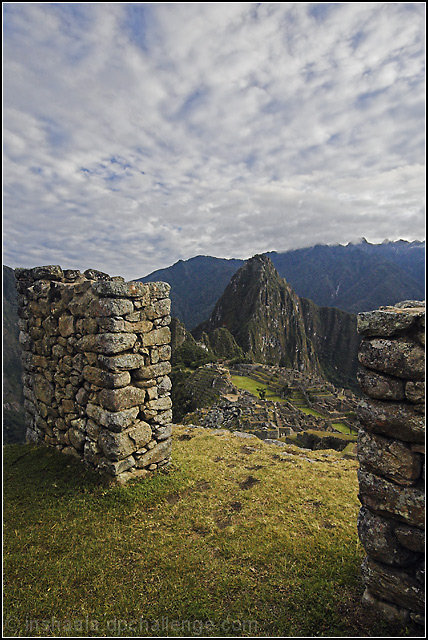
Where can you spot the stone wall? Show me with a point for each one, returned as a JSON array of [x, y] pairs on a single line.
[[96, 356], [391, 453]]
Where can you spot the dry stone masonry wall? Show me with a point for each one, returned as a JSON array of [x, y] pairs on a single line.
[[391, 454], [96, 355]]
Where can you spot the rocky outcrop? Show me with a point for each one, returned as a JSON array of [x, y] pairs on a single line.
[[272, 325], [96, 357], [391, 453], [264, 315]]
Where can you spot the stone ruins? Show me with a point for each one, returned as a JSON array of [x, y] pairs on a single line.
[[391, 454], [96, 356]]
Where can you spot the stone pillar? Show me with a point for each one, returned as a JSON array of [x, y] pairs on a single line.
[[96, 356], [391, 454]]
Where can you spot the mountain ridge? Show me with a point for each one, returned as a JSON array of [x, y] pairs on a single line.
[[352, 277]]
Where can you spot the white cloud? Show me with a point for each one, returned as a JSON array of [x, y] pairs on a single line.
[[221, 128]]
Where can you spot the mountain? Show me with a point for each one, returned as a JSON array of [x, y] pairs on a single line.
[[13, 400], [273, 325], [264, 315], [196, 285], [355, 277]]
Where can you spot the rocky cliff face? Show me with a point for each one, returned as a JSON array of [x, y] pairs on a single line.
[[334, 337], [274, 326], [265, 317]]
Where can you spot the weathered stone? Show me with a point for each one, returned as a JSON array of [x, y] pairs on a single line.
[[107, 343], [384, 323], [48, 272], [43, 390], [380, 386], [389, 458], [159, 289], [114, 421], [383, 497], [411, 538], [114, 468], [91, 452], [116, 446], [66, 326], [164, 386], [162, 433], [393, 585], [141, 326], [107, 379], [158, 309], [123, 362], [415, 391], [115, 289], [388, 611], [402, 357], [76, 438], [392, 419], [83, 347], [152, 371], [159, 452], [120, 399], [160, 404], [109, 307], [157, 337], [94, 274], [378, 539]]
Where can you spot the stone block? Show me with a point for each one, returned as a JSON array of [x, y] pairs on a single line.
[[389, 458], [114, 468], [378, 538], [393, 585], [403, 357], [383, 497], [123, 362], [43, 390], [120, 399], [115, 289], [385, 323], [107, 343], [107, 379], [415, 392], [117, 446], [114, 421], [392, 419], [380, 386], [109, 307], [411, 538], [159, 452], [157, 337], [152, 371]]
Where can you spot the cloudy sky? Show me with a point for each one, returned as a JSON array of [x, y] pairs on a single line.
[[137, 134]]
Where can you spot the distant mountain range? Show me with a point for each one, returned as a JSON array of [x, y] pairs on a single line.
[[355, 277]]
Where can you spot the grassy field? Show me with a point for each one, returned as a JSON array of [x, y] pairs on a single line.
[[239, 539], [253, 386]]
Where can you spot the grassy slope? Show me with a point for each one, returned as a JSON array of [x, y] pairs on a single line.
[[236, 531]]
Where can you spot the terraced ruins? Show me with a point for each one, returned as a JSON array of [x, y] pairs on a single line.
[[273, 402]]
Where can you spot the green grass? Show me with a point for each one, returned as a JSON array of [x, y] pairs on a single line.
[[235, 541], [248, 384], [343, 428]]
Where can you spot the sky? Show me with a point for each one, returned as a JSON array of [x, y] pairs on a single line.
[[138, 134]]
